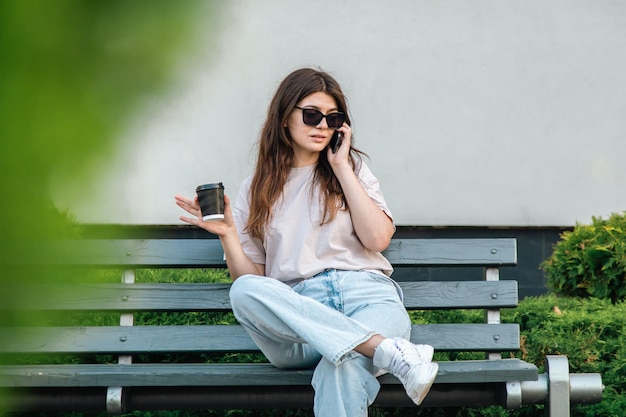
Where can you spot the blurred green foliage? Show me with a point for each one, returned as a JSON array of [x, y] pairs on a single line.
[[72, 73]]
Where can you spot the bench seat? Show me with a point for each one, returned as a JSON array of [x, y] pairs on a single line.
[[233, 374]]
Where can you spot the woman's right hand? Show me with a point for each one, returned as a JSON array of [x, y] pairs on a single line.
[[236, 260], [218, 227]]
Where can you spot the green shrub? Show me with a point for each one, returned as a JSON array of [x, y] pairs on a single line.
[[588, 331], [590, 261]]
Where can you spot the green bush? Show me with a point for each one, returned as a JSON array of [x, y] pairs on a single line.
[[590, 261], [588, 331]]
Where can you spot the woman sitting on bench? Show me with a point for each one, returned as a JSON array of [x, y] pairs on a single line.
[[303, 244]]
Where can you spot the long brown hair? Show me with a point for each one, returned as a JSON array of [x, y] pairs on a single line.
[[275, 150]]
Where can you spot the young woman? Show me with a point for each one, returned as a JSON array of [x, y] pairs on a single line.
[[303, 244]]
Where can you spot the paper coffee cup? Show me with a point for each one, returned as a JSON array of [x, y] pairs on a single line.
[[211, 199]]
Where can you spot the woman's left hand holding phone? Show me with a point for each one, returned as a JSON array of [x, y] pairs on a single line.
[[335, 158]]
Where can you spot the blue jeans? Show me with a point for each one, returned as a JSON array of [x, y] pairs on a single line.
[[318, 322]]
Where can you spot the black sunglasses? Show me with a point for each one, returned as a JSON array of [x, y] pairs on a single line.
[[313, 117]]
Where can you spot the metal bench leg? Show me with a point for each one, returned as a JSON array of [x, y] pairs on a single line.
[[114, 400], [557, 368]]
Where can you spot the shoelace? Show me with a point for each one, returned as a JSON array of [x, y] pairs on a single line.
[[403, 361]]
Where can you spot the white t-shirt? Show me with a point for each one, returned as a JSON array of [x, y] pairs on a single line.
[[295, 246]]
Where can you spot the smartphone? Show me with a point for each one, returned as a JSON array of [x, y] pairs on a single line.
[[335, 141]]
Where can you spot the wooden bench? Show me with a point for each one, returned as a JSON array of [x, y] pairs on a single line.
[[124, 384]]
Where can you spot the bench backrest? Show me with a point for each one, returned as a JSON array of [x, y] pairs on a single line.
[[129, 297]]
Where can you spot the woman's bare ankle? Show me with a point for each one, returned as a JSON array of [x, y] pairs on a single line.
[[368, 347]]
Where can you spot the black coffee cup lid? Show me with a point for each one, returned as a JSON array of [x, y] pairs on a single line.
[[209, 186]]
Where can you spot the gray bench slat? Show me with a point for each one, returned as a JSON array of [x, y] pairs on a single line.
[[125, 297], [208, 252], [233, 374], [468, 337], [226, 338], [153, 253], [214, 297], [431, 252], [460, 294]]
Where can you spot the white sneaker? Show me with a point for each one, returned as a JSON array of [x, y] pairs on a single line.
[[424, 352], [410, 364]]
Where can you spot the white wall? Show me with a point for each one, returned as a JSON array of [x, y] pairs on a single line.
[[483, 112]]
